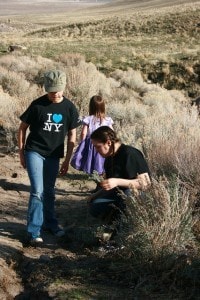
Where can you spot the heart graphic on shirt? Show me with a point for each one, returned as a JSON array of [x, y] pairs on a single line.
[[57, 118]]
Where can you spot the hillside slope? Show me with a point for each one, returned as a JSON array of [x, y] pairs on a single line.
[[19, 7]]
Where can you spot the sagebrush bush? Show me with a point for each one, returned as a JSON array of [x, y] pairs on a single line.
[[16, 85], [10, 108], [127, 114], [84, 81], [160, 220], [172, 141], [154, 119], [70, 59], [165, 100], [130, 78]]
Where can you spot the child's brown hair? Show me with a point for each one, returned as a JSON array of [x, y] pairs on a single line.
[[97, 107]]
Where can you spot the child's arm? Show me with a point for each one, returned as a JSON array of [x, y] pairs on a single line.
[[84, 132]]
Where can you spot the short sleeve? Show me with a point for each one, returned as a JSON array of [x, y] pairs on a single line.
[[111, 122], [28, 116], [75, 119], [136, 163], [108, 121], [86, 120]]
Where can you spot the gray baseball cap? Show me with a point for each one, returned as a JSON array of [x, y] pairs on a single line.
[[54, 81]]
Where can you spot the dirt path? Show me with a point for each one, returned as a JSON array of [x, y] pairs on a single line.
[[67, 268]]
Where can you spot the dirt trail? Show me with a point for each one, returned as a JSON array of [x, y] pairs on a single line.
[[60, 266]]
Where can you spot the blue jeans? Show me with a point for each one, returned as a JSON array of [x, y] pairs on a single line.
[[42, 172]]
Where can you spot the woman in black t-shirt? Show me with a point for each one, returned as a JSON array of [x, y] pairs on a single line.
[[125, 168]]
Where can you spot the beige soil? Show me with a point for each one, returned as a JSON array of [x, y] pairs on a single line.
[[59, 265]]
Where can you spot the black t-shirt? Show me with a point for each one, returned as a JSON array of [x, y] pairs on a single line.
[[49, 124], [127, 163]]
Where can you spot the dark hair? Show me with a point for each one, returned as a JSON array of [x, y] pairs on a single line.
[[103, 134], [97, 107]]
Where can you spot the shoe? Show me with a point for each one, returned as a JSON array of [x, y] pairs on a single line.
[[111, 248], [36, 241], [59, 233]]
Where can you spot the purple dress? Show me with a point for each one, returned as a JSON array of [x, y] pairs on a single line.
[[86, 158]]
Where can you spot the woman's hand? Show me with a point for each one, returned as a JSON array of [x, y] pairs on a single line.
[[109, 184], [142, 182]]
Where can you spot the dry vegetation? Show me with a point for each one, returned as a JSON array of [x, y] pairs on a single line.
[[146, 64]]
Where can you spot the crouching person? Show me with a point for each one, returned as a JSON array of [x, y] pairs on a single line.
[[125, 169]]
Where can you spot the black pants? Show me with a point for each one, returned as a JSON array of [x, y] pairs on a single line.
[[107, 209]]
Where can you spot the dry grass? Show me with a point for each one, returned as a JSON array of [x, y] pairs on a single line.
[[158, 236], [161, 219], [158, 121], [157, 42], [172, 141]]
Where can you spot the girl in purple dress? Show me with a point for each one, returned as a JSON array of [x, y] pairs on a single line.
[[86, 158]]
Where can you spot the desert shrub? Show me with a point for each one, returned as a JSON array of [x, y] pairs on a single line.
[[158, 237], [85, 81], [178, 97], [123, 95], [128, 114], [44, 64], [30, 68], [17, 63], [10, 108], [160, 101], [154, 119], [16, 85], [171, 142], [131, 79], [161, 220], [71, 59], [25, 78]]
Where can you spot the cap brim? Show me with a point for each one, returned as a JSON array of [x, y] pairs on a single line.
[[54, 89]]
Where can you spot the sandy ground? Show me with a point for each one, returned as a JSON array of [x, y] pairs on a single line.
[[71, 210], [13, 7], [71, 267]]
